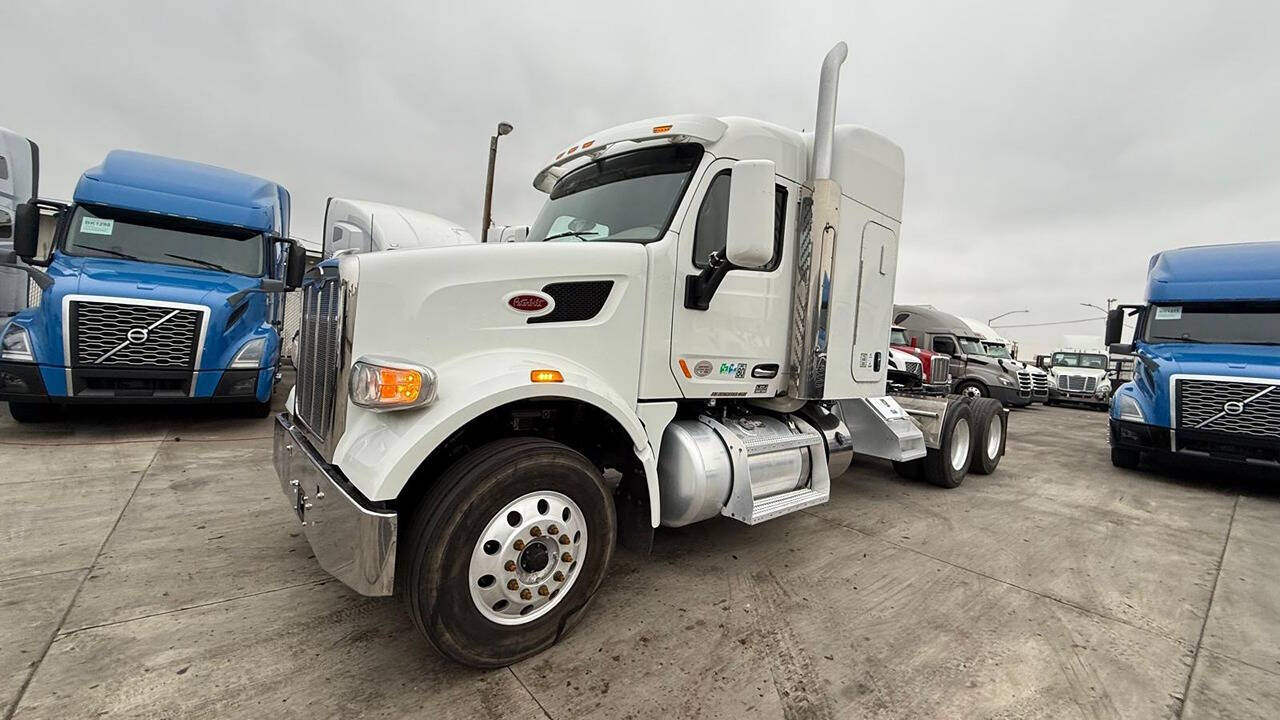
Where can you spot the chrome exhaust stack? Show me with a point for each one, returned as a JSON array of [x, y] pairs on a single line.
[[819, 223]]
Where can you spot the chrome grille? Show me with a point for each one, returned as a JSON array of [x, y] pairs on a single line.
[[1040, 382], [913, 368], [1024, 381], [1077, 383], [1231, 406], [116, 334], [939, 370], [318, 355]]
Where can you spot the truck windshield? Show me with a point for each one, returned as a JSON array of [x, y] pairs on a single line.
[[898, 336], [1228, 323], [971, 346], [624, 198], [97, 231], [1080, 360], [997, 350]]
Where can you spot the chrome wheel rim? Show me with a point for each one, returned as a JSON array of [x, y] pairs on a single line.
[[972, 391], [527, 557], [960, 442], [994, 436]]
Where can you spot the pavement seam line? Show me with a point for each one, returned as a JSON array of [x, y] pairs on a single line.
[[1208, 611], [1246, 663], [67, 478], [532, 697], [979, 573], [34, 576], [197, 606], [44, 651]]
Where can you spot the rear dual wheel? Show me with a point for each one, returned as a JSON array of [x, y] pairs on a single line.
[[506, 550], [988, 436], [947, 465]]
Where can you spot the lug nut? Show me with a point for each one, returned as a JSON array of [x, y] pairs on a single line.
[[535, 531], [518, 545], [558, 577], [543, 591], [553, 530], [564, 540], [525, 594], [513, 584], [567, 557], [510, 566]]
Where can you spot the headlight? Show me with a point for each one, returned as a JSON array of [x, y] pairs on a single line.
[[1005, 381], [1103, 390], [1127, 409], [16, 344], [250, 356], [388, 384]]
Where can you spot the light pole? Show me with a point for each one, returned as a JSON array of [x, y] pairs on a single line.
[[1011, 312], [1107, 309], [503, 129]]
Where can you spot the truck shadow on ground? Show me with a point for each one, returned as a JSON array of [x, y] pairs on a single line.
[[1203, 474]]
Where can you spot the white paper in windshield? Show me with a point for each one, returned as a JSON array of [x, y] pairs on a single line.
[[1169, 313], [97, 226]]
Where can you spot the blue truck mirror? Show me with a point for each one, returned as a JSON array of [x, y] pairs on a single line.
[[26, 230]]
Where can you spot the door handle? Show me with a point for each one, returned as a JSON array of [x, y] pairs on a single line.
[[875, 362], [765, 371]]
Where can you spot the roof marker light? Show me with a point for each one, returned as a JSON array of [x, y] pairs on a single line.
[[545, 376], [588, 144], [661, 129]]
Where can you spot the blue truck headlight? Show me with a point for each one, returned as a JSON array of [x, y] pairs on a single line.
[[16, 344], [1128, 409], [250, 356]]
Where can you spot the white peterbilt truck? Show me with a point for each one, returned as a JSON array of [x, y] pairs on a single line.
[[473, 427]]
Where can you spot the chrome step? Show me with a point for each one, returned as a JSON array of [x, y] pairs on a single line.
[[771, 507]]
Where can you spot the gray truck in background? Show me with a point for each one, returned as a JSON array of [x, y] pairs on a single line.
[[974, 372], [19, 180]]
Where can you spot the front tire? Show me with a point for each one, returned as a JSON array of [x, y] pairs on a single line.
[[507, 549], [1126, 458], [972, 389], [34, 412]]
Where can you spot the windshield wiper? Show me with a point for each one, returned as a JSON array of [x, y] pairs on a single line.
[[109, 251], [582, 234], [1179, 339], [198, 261]]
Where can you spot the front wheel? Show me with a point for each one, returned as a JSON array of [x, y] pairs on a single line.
[[507, 549], [1126, 458], [972, 389], [34, 412]]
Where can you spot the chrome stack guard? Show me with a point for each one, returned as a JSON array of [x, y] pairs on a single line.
[[352, 542]]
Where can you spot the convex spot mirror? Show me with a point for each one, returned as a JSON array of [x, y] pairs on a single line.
[[749, 241]]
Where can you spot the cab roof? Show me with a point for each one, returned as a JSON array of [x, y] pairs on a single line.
[[1208, 273], [152, 183]]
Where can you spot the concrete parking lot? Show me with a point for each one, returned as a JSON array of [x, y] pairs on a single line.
[[149, 567]]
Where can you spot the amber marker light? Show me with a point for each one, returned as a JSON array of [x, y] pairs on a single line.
[[543, 376]]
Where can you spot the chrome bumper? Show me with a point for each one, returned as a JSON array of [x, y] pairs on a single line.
[[353, 543]]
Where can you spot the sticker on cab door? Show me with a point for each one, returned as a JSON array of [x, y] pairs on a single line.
[[703, 368], [97, 226], [1169, 313], [733, 370]]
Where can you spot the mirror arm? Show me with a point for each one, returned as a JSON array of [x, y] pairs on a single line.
[[267, 286], [700, 288]]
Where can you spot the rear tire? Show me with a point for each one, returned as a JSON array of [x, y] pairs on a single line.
[[909, 469], [988, 435], [947, 465], [34, 412], [466, 524], [1126, 458]]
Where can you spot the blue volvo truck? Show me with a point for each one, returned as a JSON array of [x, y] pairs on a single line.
[[162, 281], [1207, 343]]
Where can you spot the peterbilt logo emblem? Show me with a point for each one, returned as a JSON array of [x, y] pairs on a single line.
[[136, 335], [1234, 407], [529, 302]]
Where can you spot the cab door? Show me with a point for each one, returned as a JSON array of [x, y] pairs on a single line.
[[19, 182], [737, 346]]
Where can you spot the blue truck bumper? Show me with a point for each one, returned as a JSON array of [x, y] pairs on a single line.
[[32, 383], [1194, 443]]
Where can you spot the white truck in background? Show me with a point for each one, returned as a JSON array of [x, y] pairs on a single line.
[[19, 182], [1031, 379], [357, 226], [700, 313]]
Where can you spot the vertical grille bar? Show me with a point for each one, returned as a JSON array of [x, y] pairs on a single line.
[[318, 356]]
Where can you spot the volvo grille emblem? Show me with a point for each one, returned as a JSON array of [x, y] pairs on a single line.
[[137, 335], [1234, 407]]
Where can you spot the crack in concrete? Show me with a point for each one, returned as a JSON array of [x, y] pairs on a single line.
[[532, 697], [34, 576], [1195, 659], [44, 651]]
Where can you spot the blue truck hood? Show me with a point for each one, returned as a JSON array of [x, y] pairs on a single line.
[[1159, 363], [127, 278]]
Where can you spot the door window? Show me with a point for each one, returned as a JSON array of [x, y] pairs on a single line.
[[944, 345], [712, 226]]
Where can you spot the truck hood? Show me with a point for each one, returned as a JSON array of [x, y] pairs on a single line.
[[127, 278], [1257, 361], [1099, 373]]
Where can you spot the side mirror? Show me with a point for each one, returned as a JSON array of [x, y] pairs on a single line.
[[749, 241], [26, 230], [1115, 326], [296, 266]]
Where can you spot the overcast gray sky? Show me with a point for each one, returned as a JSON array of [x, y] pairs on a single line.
[[1051, 147]]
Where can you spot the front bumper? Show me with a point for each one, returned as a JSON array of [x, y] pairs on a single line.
[[25, 382], [1184, 442], [1088, 398], [353, 540], [1009, 396]]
